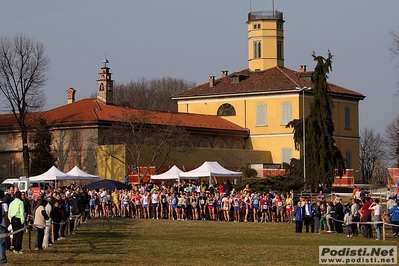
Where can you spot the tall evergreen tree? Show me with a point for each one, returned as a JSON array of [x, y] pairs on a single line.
[[323, 157], [43, 158]]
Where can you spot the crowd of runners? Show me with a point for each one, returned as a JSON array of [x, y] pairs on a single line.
[[190, 201]]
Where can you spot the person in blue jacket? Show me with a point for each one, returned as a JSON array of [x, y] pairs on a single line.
[[394, 211], [298, 214]]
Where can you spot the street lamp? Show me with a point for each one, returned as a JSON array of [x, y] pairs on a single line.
[[303, 132]]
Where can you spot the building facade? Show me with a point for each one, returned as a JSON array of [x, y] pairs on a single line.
[[266, 96]]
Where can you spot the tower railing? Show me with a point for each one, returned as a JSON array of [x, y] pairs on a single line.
[[256, 15]]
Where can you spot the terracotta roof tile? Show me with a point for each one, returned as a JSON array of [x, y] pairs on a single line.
[[90, 110], [273, 79]]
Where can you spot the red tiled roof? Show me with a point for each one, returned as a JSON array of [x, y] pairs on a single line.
[[90, 110], [272, 79]]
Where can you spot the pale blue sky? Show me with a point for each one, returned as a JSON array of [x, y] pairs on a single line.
[[195, 39]]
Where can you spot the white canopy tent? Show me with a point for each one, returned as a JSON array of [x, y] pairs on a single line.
[[173, 173], [78, 174], [211, 169], [53, 174]]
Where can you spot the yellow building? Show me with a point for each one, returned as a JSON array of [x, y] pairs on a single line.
[[264, 97]]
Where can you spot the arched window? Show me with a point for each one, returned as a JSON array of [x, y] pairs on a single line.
[[238, 145], [226, 109], [221, 144], [204, 143], [101, 87]]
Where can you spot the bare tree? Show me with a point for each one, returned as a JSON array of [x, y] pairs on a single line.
[[372, 159], [154, 94], [392, 138], [23, 67], [145, 142], [395, 50]]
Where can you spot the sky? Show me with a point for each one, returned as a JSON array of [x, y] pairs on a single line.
[[195, 39]]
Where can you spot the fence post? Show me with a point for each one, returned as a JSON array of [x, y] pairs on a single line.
[[52, 232], [383, 231], [29, 237]]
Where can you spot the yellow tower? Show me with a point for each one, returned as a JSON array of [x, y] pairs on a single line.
[[265, 40], [105, 85]]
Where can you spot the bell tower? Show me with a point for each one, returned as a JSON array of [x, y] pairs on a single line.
[[105, 85], [265, 40]]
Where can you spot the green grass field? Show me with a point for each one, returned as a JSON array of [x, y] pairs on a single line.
[[126, 241]]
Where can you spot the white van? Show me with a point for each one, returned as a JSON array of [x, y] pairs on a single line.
[[24, 183]]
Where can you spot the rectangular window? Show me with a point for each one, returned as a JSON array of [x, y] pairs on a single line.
[[257, 50], [285, 113], [286, 155], [348, 164], [347, 118], [261, 112]]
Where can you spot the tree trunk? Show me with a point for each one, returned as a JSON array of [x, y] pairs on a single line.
[[25, 152]]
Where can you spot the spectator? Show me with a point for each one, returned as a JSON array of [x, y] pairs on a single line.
[[40, 222], [16, 213], [4, 223], [377, 208], [355, 216], [394, 211], [365, 214], [298, 214]]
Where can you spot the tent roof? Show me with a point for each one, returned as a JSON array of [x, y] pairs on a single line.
[[209, 169], [52, 174], [81, 175], [173, 173]]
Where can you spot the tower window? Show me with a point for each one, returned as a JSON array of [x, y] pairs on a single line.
[[257, 49], [108, 86], [256, 26], [279, 50], [226, 109], [101, 87]]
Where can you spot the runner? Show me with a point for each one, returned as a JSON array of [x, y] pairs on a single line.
[[289, 203], [264, 205], [202, 202], [211, 202], [146, 205], [125, 204], [194, 205], [164, 204], [172, 206], [155, 204], [115, 203], [226, 207], [236, 204], [255, 206], [138, 205]]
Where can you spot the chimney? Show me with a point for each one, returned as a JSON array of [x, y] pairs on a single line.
[[302, 68], [225, 73], [211, 81], [71, 95]]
